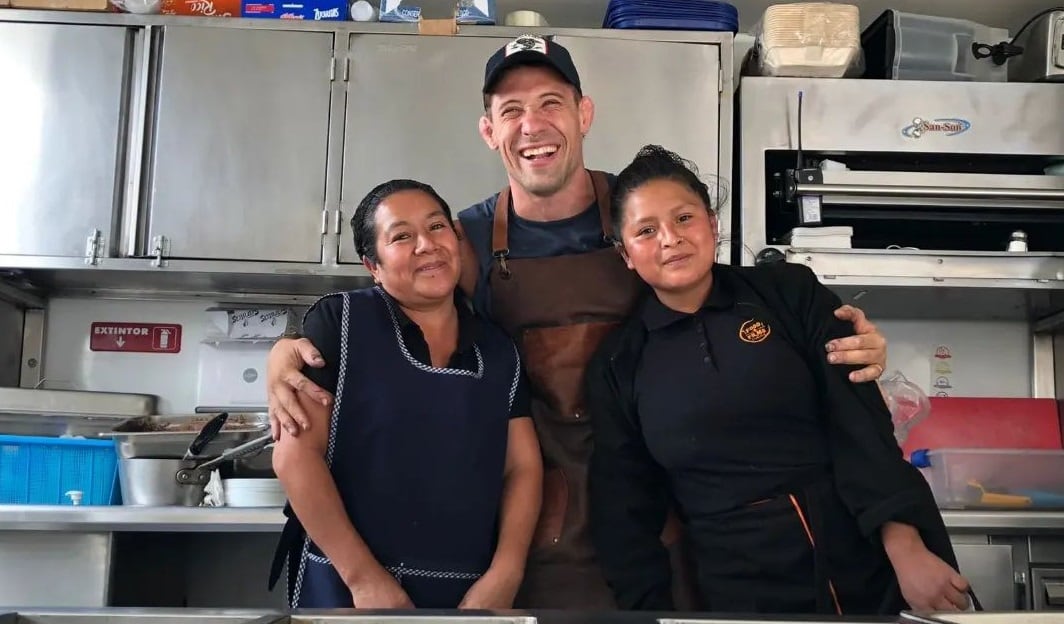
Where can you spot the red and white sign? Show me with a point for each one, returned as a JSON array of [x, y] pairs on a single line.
[[135, 337]]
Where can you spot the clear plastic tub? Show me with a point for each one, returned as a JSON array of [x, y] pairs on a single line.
[[963, 478], [907, 46]]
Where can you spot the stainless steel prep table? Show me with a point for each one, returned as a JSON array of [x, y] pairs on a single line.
[[162, 556], [269, 520]]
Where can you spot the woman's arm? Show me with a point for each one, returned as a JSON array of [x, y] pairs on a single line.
[[521, 497], [927, 582], [629, 501], [888, 496]]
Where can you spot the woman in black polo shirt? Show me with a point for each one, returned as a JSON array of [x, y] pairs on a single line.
[[715, 397], [421, 486]]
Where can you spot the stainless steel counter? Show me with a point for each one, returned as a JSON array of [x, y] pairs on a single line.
[[228, 616], [155, 519], [270, 520]]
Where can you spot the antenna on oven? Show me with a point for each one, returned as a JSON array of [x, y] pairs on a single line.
[[798, 166], [808, 205]]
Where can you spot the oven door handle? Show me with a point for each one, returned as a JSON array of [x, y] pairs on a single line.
[[937, 192]]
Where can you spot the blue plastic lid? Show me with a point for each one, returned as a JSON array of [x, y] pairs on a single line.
[[920, 458]]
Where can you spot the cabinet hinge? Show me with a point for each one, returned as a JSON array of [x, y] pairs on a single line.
[[160, 249], [93, 248]]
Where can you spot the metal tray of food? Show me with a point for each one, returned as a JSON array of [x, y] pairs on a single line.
[[169, 436]]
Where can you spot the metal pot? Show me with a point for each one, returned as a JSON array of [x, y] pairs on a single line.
[[152, 483]]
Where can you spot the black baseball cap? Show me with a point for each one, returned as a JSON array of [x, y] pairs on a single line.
[[530, 50]]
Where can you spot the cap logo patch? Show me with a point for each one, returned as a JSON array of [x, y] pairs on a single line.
[[527, 43]]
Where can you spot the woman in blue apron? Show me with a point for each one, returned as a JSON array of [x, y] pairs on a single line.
[[715, 395], [421, 486]]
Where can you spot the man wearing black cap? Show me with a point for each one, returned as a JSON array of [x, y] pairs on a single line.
[[537, 259]]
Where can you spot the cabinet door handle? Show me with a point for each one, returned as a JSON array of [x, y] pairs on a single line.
[[1054, 592]]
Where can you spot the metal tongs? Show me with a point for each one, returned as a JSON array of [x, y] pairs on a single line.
[[201, 474]]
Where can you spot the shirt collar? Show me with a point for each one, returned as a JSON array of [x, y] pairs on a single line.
[[657, 315], [466, 321]]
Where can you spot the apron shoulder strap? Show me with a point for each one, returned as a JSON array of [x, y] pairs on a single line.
[[500, 243], [601, 185]]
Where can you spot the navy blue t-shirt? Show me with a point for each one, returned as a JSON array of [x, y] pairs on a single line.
[[528, 239]]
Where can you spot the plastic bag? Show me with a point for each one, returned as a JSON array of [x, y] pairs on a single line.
[[907, 403]]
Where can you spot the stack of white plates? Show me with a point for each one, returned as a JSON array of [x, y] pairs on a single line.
[[253, 493], [810, 39]]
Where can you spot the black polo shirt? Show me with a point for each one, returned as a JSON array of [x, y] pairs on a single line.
[[323, 330], [727, 406]]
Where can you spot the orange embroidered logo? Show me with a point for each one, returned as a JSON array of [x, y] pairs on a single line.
[[754, 331]]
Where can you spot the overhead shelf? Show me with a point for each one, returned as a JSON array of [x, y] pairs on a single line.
[[128, 278]]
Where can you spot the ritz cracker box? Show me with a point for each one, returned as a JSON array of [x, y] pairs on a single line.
[[315, 10]]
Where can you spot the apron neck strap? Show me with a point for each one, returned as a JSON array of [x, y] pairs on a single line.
[[500, 243]]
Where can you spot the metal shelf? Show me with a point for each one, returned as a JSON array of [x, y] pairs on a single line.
[[909, 284]]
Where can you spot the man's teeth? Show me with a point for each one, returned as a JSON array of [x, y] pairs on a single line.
[[539, 151]]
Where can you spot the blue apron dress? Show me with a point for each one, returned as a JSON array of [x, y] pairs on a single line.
[[417, 454]]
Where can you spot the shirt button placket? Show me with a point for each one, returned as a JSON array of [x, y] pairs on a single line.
[[701, 331]]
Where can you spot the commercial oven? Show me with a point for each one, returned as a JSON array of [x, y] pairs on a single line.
[[917, 179]]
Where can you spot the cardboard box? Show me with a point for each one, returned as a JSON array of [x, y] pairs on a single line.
[[481, 12], [64, 5], [202, 8], [313, 10]]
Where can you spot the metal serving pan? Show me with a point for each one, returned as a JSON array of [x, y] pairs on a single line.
[[25, 411], [169, 436]]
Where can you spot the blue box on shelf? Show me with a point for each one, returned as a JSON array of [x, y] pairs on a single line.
[[43, 470], [311, 10]]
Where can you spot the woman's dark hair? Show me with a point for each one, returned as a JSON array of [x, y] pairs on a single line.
[[654, 162], [364, 223]]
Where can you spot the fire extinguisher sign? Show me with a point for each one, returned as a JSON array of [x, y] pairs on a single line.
[[135, 337]]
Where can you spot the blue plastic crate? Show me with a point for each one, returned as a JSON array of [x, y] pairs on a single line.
[[41, 470]]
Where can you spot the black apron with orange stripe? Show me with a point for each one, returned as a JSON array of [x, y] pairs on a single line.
[[799, 552]]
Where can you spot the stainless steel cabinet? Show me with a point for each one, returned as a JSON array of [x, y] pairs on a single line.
[[990, 569], [238, 157], [61, 104], [413, 104], [650, 92]]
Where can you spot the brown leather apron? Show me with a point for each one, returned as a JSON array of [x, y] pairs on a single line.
[[558, 309]]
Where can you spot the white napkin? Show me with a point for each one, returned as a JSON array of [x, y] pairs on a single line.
[[214, 494]]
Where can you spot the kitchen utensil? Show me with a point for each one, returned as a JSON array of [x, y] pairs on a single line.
[[981, 496], [151, 483], [208, 433], [201, 473]]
